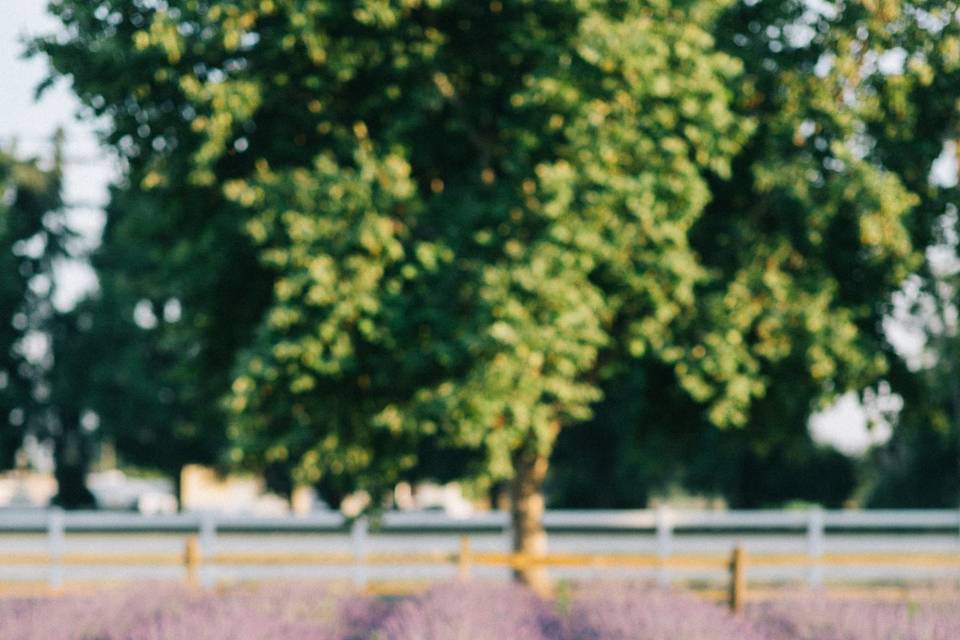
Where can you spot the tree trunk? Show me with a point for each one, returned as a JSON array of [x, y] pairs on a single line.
[[178, 487], [72, 460], [526, 511]]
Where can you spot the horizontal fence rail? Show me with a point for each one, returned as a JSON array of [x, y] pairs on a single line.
[[716, 547]]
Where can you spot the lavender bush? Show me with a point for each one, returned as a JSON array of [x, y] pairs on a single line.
[[622, 611], [473, 611], [824, 617]]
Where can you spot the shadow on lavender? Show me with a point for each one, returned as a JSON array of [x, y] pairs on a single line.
[[473, 611]]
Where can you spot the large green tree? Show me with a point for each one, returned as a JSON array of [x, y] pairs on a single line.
[[454, 222]]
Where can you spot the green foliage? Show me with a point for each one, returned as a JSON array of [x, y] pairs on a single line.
[[648, 438], [812, 231]]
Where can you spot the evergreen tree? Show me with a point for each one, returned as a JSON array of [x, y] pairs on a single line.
[[34, 236]]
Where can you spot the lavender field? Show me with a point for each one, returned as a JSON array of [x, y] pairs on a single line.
[[461, 611]]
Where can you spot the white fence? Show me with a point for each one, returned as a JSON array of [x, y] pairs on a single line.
[[815, 546]]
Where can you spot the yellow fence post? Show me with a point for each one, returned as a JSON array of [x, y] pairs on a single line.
[[191, 560], [738, 578], [463, 559]]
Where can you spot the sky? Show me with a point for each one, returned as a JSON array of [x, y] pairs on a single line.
[[31, 124]]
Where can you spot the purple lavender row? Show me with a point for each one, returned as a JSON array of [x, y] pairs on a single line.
[[460, 611]]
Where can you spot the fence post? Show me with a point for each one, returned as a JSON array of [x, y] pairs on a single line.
[[208, 545], [55, 534], [358, 535], [815, 527], [664, 524], [191, 560], [463, 559], [738, 578]]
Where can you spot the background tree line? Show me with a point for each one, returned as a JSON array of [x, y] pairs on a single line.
[[594, 248]]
